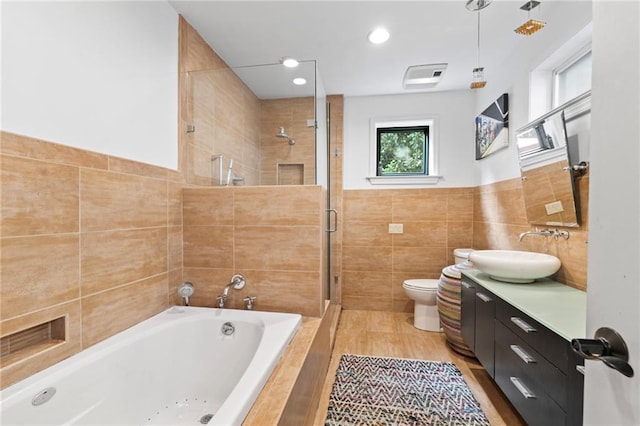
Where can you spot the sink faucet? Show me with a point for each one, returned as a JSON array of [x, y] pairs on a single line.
[[547, 233], [237, 281]]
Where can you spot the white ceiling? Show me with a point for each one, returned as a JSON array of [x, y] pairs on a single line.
[[334, 33]]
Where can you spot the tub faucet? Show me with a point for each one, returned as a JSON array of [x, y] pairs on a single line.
[[547, 233], [237, 281]]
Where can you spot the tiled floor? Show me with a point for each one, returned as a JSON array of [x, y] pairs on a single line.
[[393, 334]]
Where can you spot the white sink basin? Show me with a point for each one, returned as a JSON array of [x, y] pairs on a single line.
[[514, 266]]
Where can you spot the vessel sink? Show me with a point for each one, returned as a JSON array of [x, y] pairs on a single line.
[[514, 266]]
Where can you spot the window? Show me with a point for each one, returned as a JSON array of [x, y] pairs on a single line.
[[572, 79], [402, 151]]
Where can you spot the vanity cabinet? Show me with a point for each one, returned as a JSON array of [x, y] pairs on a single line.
[[533, 365], [477, 324]]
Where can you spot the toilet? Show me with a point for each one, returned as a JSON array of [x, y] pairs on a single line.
[[423, 293], [461, 255]]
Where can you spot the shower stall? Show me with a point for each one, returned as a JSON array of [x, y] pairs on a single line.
[[252, 125]]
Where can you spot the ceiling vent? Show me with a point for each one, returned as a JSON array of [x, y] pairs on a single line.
[[423, 76]]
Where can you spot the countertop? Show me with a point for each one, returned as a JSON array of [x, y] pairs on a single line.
[[560, 308]]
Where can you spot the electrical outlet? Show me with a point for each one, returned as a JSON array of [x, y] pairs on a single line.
[[396, 228], [555, 207]]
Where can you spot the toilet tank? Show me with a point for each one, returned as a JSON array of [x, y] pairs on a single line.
[[461, 254]]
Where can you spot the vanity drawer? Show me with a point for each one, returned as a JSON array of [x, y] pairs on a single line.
[[515, 354], [528, 396], [547, 343]]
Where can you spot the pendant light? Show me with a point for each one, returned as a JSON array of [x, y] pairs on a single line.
[[474, 5], [478, 81], [532, 25]]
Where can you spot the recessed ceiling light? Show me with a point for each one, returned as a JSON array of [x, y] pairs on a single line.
[[379, 35], [289, 62], [299, 81]]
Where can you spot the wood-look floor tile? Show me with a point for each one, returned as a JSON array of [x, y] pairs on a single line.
[[397, 337]]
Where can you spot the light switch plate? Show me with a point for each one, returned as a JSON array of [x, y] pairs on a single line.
[[396, 228], [555, 207]]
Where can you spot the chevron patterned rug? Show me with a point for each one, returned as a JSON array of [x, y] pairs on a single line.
[[393, 391]]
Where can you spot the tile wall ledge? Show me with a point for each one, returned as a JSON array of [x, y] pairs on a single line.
[[403, 180]]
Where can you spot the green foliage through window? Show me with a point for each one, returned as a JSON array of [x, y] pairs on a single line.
[[402, 150]]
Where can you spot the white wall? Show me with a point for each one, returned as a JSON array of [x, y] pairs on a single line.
[[455, 125], [564, 21], [101, 76]]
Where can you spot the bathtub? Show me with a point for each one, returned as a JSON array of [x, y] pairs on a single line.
[[183, 366]]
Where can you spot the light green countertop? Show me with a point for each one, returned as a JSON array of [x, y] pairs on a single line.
[[559, 307]]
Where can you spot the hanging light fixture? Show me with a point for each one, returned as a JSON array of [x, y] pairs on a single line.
[[474, 5], [478, 81], [532, 25]]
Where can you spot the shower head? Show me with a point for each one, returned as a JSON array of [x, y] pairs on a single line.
[[283, 135]]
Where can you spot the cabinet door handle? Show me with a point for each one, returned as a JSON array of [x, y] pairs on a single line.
[[523, 325], [466, 285], [522, 388], [484, 297], [580, 369], [522, 354]]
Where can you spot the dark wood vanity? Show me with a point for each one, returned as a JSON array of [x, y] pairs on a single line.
[[521, 334]]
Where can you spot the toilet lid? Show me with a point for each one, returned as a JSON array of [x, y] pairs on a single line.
[[422, 284]]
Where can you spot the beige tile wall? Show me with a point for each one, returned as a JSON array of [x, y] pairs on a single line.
[[89, 237], [231, 121], [375, 263], [500, 216], [273, 235], [436, 221], [298, 161]]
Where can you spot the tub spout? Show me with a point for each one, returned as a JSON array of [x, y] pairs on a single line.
[[237, 281]]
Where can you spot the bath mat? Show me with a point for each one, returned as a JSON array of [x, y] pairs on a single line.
[[395, 391]]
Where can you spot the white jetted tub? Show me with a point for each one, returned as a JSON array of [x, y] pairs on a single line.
[[184, 366]]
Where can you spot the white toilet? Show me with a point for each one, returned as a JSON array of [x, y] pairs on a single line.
[[425, 313], [462, 255], [424, 294]]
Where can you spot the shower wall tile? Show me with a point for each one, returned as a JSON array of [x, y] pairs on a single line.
[[223, 110], [82, 229], [292, 114]]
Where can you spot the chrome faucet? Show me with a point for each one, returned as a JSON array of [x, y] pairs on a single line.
[[547, 233], [237, 281]]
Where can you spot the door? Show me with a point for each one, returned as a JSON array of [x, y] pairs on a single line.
[[613, 288]]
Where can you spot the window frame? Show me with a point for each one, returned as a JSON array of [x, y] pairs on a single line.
[[555, 75], [404, 179], [424, 129]]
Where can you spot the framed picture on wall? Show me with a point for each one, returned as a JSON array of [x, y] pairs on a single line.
[[492, 128]]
